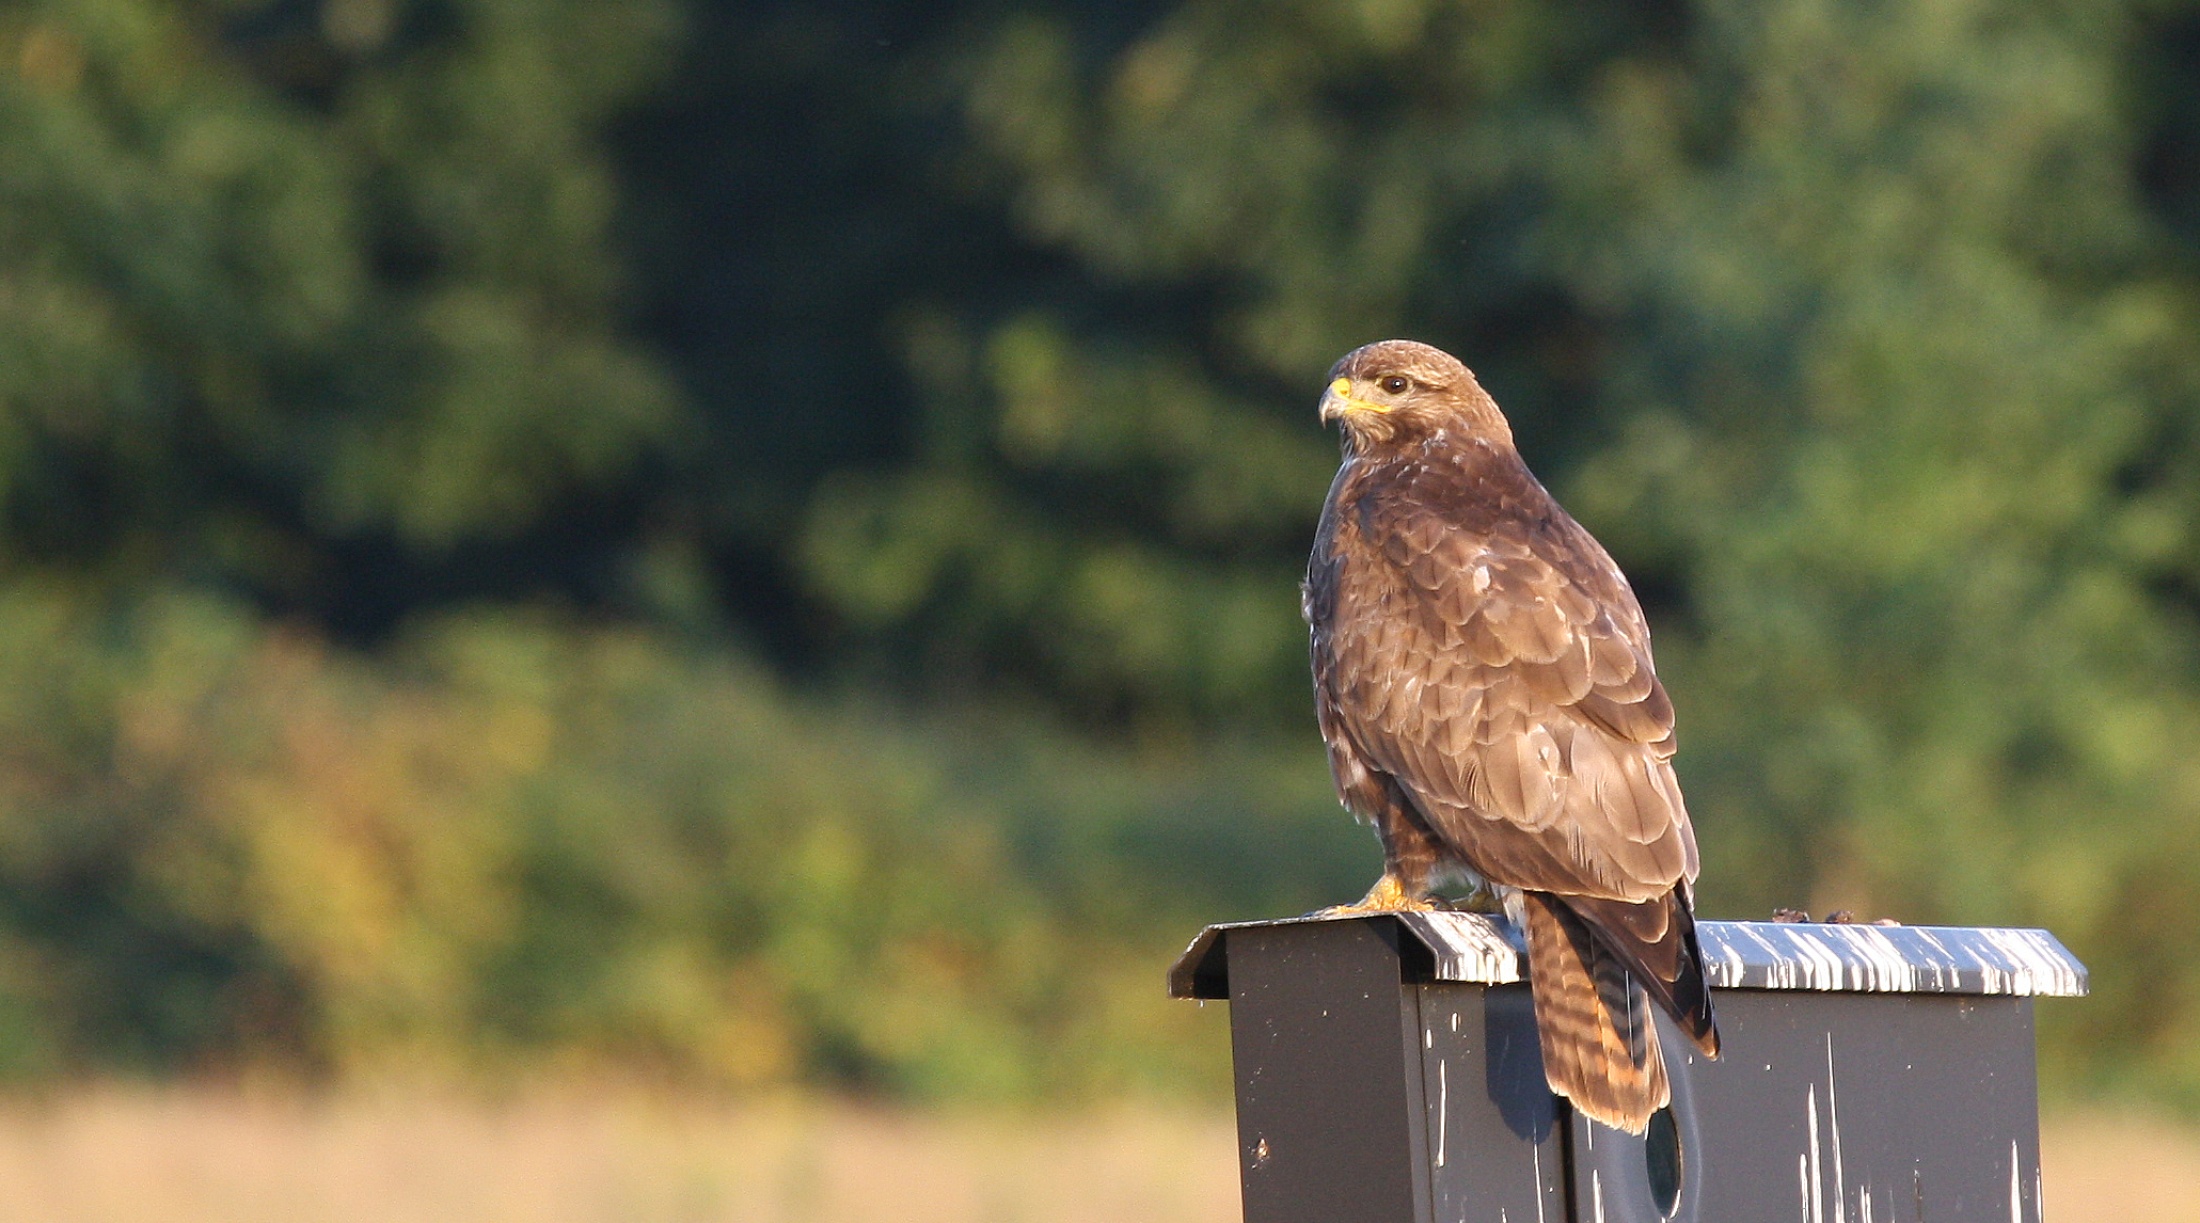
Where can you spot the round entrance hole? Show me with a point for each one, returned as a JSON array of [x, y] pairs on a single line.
[[1661, 1153]]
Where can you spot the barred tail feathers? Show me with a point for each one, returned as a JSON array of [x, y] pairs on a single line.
[[1657, 939], [1600, 1041]]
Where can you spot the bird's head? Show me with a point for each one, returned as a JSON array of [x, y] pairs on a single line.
[[1394, 392]]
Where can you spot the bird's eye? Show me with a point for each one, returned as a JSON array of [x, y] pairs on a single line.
[[1395, 385]]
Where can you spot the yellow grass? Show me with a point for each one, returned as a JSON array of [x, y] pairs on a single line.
[[201, 1156], [207, 1155], [2120, 1168]]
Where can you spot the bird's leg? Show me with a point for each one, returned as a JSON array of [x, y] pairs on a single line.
[[1409, 858]]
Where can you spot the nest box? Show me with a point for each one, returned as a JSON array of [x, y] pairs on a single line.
[[1387, 1069]]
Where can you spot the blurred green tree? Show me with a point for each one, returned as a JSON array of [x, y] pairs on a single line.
[[288, 287], [1857, 330], [573, 363]]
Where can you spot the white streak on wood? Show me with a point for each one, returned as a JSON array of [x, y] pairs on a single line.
[[1535, 1157], [1890, 969], [1833, 1121], [1443, 1106], [1817, 1166]]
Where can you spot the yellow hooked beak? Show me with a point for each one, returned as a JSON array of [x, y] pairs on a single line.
[[1338, 401]]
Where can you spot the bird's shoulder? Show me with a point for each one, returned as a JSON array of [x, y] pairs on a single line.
[[1455, 513]]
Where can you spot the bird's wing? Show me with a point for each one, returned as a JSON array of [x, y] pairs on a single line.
[[1502, 675]]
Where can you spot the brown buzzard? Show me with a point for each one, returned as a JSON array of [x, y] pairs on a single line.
[[1483, 678]]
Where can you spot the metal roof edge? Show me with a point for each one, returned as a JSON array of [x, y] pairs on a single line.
[[1480, 948]]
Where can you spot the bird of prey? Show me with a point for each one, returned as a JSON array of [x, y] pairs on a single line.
[[1483, 679]]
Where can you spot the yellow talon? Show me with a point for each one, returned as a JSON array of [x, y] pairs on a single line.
[[1388, 895]]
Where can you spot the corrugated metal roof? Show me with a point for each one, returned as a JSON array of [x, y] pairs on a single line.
[[1481, 948]]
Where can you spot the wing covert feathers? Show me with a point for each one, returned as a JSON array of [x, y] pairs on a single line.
[[1481, 649]]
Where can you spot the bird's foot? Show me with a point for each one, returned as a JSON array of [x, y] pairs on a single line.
[[1389, 895], [1483, 899]]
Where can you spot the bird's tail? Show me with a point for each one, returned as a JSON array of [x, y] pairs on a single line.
[[1600, 1042], [1657, 939]]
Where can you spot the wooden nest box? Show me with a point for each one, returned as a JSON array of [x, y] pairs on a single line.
[[1388, 1072]]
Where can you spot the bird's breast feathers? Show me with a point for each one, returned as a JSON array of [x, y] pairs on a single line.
[[1478, 646]]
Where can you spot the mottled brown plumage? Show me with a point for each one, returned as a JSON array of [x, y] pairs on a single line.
[[1483, 678]]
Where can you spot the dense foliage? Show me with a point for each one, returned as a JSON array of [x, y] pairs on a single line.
[[759, 540]]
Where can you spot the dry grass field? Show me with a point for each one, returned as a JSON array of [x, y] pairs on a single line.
[[226, 1156]]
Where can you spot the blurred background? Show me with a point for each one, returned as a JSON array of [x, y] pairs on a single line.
[[652, 601]]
